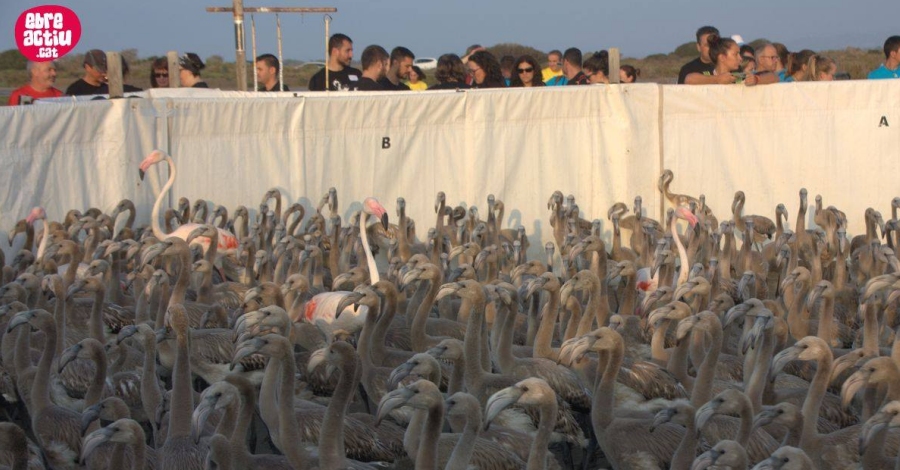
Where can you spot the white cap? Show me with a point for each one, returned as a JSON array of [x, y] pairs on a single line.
[[738, 39]]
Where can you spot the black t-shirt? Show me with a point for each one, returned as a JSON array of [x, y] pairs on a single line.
[[694, 66], [579, 79], [276, 87], [367, 84], [347, 79], [449, 86], [488, 84], [200, 85], [387, 85], [82, 87]]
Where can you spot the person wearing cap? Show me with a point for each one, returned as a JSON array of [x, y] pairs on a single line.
[[191, 65], [43, 76], [94, 80]]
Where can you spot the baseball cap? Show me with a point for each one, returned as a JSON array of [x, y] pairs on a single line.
[[96, 59]]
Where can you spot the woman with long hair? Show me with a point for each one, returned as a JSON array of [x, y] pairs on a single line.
[[596, 67], [485, 70], [526, 73], [821, 69], [726, 57]]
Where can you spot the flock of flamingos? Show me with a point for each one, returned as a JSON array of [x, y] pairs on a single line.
[[726, 341]]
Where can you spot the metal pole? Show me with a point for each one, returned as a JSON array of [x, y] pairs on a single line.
[[327, 52], [253, 45], [240, 56], [280, 61]]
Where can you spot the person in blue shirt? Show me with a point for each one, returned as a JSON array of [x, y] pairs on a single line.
[[891, 66]]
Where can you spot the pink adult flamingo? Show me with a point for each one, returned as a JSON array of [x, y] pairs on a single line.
[[322, 309], [227, 240]]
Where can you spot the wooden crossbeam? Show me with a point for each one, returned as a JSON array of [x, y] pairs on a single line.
[[273, 10]]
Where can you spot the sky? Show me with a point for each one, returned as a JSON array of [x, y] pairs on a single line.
[[431, 28]]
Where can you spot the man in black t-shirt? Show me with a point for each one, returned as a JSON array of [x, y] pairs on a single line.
[[401, 63], [94, 80], [572, 62], [374, 64], [341, 76], [700, 64], [267, 68]]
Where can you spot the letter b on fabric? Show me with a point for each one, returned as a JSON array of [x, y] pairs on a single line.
[[386, 142]]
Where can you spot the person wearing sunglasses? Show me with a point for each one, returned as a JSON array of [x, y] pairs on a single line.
[[159, 73], [596, 67], [526, 73], [485, 70]]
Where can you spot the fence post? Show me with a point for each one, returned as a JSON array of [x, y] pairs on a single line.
[[114, 75], [613, 65], [174, 68], [240, 57]]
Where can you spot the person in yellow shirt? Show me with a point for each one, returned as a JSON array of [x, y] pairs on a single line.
[[416, 80], [554, 66]]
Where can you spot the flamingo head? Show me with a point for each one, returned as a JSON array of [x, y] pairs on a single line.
[[155, 157], [36, 214], [685, 213], [373, 207]]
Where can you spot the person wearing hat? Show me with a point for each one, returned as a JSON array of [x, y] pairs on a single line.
[[94, 80], [191, 65]]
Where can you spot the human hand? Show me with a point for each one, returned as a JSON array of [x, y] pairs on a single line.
[[751, 80], [725, 79]]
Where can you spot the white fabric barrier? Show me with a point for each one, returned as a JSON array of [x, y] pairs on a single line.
[[602, 144], [769, 141], [65, 156], [516, 144]]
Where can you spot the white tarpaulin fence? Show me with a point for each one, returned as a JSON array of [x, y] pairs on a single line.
[[601, 143]]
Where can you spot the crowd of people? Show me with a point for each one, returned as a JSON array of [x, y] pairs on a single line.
[[721, 60]]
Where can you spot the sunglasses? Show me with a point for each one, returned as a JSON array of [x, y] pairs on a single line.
[[526, 70], [161, 75]]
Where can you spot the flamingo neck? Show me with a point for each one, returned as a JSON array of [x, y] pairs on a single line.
[[40, 387], [331, 451], [374, 277], [473, 373], [682, 255], [702, 389], [427, 457], [417, 333], [603, 400], [537, 457], [154, 215], [684, 454], [813, 402], [182, 395], [542, 346]]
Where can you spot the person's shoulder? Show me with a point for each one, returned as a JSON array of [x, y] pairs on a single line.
[[75, 87], [367, 84], [883, 72]]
